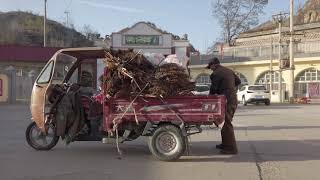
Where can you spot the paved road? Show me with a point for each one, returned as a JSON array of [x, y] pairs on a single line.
[[276, 142]]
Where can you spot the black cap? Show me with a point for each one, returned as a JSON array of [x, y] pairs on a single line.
[[212, 61]]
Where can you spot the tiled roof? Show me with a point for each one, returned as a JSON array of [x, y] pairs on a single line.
[[26, 53], [152, 25], [309, 13]]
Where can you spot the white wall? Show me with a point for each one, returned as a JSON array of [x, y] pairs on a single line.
[[116, 40], [165, 40], [181, 51]]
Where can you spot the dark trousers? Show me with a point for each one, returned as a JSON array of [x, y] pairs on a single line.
[[227, 132]]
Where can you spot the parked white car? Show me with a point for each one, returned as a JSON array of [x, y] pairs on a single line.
[[201, 89], [253, 94]]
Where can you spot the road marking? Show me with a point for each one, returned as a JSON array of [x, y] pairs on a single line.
[[239, 125]]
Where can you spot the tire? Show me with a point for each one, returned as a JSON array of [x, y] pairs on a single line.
[[244, 101], [267, 103], [34, 143], [163, 135]]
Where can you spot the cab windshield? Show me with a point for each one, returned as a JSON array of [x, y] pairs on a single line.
[[63, 65]]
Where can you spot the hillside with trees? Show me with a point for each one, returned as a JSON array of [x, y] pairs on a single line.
[[24, 28]]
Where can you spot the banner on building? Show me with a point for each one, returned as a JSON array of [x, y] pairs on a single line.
[[1, 87], [314, 90]]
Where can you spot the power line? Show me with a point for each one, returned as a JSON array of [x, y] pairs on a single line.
[[68, 6]]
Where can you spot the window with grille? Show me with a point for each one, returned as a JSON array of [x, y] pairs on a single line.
[[264, 79], [203, 79], [309, 75]]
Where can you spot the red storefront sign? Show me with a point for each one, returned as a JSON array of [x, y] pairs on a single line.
[[1, 87]]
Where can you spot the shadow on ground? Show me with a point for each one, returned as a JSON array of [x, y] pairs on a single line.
[[252, 151]]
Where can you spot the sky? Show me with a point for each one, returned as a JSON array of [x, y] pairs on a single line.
[[106, 16]]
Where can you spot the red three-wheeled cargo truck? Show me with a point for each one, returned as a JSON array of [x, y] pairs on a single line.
[[166, 121]]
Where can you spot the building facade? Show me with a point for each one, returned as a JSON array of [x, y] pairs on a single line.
[[255, 56], [146, 37]]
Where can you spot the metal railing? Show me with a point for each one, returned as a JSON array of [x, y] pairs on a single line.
[[261, 52]]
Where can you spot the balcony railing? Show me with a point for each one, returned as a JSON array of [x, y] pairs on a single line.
[[256, 53]]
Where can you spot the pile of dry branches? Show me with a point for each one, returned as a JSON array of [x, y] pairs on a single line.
[[130, 73]]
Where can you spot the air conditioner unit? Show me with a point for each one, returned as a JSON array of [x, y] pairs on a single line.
[[284, 63]]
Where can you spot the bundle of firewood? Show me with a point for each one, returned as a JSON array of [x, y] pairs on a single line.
[[171, 80], [131, 73]]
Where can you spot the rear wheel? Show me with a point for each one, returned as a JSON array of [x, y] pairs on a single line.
[[267, 103], [40, 141], [167, 143], [244, 101]]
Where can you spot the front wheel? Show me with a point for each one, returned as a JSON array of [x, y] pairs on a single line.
[[38, 140], [167, 143]]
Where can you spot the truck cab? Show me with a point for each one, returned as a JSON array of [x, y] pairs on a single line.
[[65, 68]]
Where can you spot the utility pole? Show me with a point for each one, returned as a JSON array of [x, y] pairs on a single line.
[[291, 74], [44, 24], [271, 67], [67, 17], [280, 70], [280, 18]]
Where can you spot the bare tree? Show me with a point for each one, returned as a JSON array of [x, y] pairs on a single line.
[[236, 16], [90, 34], [298, 7], [87, 30]]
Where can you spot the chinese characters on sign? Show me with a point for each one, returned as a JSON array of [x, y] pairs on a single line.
[[142, 40], [210, 107]]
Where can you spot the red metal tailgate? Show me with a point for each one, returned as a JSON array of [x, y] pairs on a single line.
[[191, 109]]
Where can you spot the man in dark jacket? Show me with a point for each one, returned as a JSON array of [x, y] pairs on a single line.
[[224, 82]]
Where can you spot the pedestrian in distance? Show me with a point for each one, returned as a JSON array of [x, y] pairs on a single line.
[[224, 82]]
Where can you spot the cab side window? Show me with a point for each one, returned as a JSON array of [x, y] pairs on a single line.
[[46, 74], [74, 78]]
